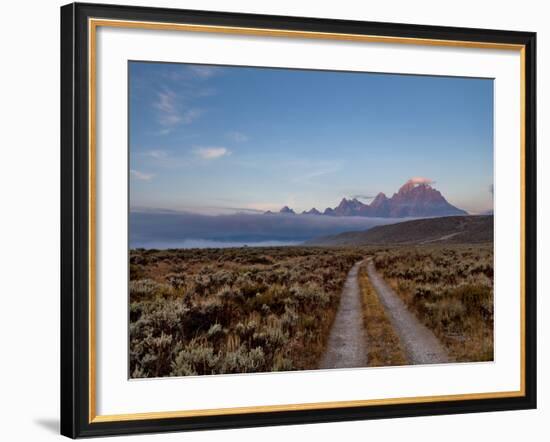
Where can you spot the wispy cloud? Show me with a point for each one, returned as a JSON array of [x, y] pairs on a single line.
[[310, 171], [142, 176], [171, 111], [211, 153], [319, 172], [175, 103], [169, 114], [170, 119], [237, 137], [166, 101], [193, 72], [363, 197], [263, 206], [204, 72], [299, 170], [218, 210], [156, 154]]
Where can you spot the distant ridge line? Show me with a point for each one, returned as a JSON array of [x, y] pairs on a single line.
[[441, 230]]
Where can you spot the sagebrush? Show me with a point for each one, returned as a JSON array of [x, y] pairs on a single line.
[[242, 310], [450, 289]]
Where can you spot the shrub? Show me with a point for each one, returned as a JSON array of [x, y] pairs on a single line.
[[243, 361], [450, 288], [208, 311], [196, 358], [147, 288]]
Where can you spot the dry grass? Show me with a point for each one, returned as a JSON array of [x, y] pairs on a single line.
[[210, 311], [242, 310], [384, 346], [450, 289]]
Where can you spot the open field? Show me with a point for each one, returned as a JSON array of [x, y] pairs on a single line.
[[450, 289], [243, 310], [209, 311]]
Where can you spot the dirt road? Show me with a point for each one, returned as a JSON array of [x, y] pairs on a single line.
[[347, 344], [421, 345]]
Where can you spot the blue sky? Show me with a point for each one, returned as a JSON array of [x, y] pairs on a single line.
[[222, 139]]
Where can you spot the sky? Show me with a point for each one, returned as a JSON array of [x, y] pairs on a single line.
[[220, 139]]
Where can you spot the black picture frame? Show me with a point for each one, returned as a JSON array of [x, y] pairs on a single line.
[[75, 220]]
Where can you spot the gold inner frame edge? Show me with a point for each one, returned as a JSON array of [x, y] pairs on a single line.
[[93, 24]]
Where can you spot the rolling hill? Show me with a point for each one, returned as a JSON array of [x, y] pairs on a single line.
[[449, 229]]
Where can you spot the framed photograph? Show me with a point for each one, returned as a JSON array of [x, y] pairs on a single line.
[[274, 220]]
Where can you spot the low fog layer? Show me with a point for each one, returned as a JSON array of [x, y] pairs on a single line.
[[149, 229]]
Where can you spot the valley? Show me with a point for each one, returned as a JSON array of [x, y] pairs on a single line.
[[244, 310]]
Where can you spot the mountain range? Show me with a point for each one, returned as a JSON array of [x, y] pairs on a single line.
[[413, 199]]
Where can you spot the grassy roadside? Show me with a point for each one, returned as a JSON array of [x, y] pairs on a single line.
[[384, 346], [450, 290]]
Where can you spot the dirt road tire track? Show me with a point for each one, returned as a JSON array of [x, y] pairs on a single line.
[[347, 342], [421, 345]]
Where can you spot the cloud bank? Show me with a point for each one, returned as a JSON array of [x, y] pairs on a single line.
[[162, 229]]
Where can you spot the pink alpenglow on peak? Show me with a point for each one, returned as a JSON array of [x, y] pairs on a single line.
[[414, 199]]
